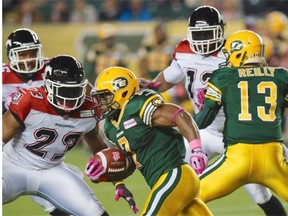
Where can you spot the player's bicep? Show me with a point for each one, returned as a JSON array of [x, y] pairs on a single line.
[[10, 126], [163, 115]]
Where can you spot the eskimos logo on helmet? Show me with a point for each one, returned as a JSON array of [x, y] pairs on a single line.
[[119, 83], [236, 45]]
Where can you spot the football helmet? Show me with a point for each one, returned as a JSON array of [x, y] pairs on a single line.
[[206, 30], [113, 89], [24, 51], [277, 21], [244, 47], [65, 83]]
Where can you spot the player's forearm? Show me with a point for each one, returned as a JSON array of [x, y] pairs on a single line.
[[164, 86], [187, 126], [205, 117]]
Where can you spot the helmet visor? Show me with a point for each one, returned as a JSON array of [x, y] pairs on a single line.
[[66, 96], [205, 40]]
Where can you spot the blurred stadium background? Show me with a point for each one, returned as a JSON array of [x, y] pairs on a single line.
[[75, 38]]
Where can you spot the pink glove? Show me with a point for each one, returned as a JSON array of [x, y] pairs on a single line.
[[200, 99], [10, 97], [146, 84], [198, 160], [94, 170], [122, 191]]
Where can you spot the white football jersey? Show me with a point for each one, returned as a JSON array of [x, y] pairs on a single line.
[[46, 135], [196, 70]]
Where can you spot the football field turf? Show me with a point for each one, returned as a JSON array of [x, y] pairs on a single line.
[[235, 204]]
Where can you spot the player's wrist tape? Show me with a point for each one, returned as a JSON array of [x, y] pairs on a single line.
[[195, 143], [176, 113], [118, 183]]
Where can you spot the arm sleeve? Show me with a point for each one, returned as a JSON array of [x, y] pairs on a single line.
[[206, 116], [212, 104], [173, 73]]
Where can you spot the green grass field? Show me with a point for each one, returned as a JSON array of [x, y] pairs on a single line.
[[236, 204]]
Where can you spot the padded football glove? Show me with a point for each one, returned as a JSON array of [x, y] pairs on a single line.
[[198, 159], [122, 191], [94, 170]]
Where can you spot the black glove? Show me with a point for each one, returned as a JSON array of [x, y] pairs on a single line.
[[122, 191]]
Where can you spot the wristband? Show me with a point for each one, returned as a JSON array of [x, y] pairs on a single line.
[[176, 113], [118, 183], [195, 143]]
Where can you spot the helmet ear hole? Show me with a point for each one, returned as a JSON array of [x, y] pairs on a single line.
[[124, 94], [238, 55]]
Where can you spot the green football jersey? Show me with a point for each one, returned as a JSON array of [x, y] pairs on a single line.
[[253, 98], [155, 150]]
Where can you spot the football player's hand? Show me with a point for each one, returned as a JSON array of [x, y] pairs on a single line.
[[198, 160], [146, 84], [122, 191], [94, 169], [10, 97]]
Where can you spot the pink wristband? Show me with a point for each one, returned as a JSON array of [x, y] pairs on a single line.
[[194, 144], [176, 113]]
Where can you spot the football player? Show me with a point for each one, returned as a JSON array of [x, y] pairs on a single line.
[[26, 64], [40, 127], [141, 124], [194, 59], [254, 97], [24, 70]]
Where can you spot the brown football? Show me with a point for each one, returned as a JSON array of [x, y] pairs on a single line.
[[116, 165]]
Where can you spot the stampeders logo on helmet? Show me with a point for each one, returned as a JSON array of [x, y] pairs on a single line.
[[201, 23], [119, 83], [59, 73]]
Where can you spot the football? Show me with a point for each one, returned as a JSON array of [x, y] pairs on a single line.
[[116, 165]]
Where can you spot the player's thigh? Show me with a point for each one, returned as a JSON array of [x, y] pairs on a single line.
[[276, 170], [224, 175], [172, 192], [67, 191], [14, 181]]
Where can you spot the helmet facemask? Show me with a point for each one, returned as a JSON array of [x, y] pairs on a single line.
[[66, 97], [205, 40], [104, 104], [26, 59]]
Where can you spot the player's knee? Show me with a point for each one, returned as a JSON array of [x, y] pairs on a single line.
[[259, 194]]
